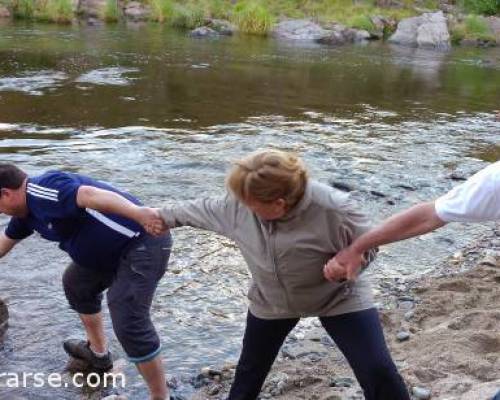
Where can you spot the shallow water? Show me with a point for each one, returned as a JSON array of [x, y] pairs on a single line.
[[162, 115]]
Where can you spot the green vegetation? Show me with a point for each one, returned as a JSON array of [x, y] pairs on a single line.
[[161, 10], [111, 13], [474, 27], [58, 11], [253, 17], [258, 16], [487, 7], [361, 22]]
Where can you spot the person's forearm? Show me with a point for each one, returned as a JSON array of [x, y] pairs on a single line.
[[107, 202], [415, 221]]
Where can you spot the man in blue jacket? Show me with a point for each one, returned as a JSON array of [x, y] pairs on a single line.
[[104, 231]]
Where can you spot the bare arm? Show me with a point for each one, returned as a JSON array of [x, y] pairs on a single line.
[[417, 220], [109, 202], [6, 244]]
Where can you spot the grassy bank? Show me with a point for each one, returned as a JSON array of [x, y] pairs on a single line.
[[258, 16]]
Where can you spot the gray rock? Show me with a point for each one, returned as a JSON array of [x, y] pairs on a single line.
[[204, 31], [494, 23], [299, 29], [214, 389], [91, 8], [4, 318], [341, 382], [491, 258], [430, 30], [403, 336], [4, 12], [409, 315], [421, 393], [379, 24], [339, 34], [222, 26], [136, 11]]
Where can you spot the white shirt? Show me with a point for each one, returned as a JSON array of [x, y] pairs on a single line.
[[475, 200]]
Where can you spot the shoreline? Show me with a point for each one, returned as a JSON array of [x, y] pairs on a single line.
[[443, 331], [332, 24]]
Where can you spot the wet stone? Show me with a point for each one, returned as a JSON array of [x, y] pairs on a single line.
[[403, 336], [341, 382], [421, 393]]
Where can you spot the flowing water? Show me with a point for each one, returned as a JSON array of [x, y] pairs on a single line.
[[162, 115]]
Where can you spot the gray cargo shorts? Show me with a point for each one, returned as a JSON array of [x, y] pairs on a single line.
[[130, 292]]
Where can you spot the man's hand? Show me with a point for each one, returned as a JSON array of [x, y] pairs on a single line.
[[345, 265], [152, 221]]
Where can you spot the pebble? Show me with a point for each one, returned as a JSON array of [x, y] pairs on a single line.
[[409, 315], [403, 336], [214, 389], [341, 382], [421, 393]]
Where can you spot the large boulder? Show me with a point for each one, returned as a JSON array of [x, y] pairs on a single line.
[[4, 318], [299, 29], [4, 12], [136, 11], [430, 30]]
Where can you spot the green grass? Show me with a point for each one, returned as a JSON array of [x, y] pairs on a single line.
[[361, 22], [474, 27], [161, 10], [487, 7], [253, 17], [24, 9], [58, 11], [187, 16], [111, 13]]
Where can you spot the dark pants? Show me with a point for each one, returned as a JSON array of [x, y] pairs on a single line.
[[358, 335], [130, 293], [497, 396]]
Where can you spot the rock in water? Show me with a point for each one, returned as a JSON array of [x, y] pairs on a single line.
[[429, 30], [203, 31], [299, 29], [4, 318]]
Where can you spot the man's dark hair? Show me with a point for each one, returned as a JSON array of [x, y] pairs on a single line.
[[11, 177]]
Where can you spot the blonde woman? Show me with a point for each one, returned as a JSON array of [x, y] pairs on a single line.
[[288, 227]]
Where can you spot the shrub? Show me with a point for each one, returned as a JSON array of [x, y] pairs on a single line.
[[253, 17], [488, 7], [111, 12]]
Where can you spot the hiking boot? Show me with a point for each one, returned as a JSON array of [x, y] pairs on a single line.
[[80, 349]]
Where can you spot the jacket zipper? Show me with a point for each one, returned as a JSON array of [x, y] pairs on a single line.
[[271, 231]]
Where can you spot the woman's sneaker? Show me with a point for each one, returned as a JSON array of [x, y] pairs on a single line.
[[80, 349]]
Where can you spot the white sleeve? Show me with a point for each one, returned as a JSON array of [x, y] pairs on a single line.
[[476, 200]]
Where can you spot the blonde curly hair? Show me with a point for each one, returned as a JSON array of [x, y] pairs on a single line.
[[268, 175]]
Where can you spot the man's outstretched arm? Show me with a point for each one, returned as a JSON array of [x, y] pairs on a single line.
[[109, 202], [417, 220]]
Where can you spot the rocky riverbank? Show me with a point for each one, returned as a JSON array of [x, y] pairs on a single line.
[[438, 27], [443, 332]]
